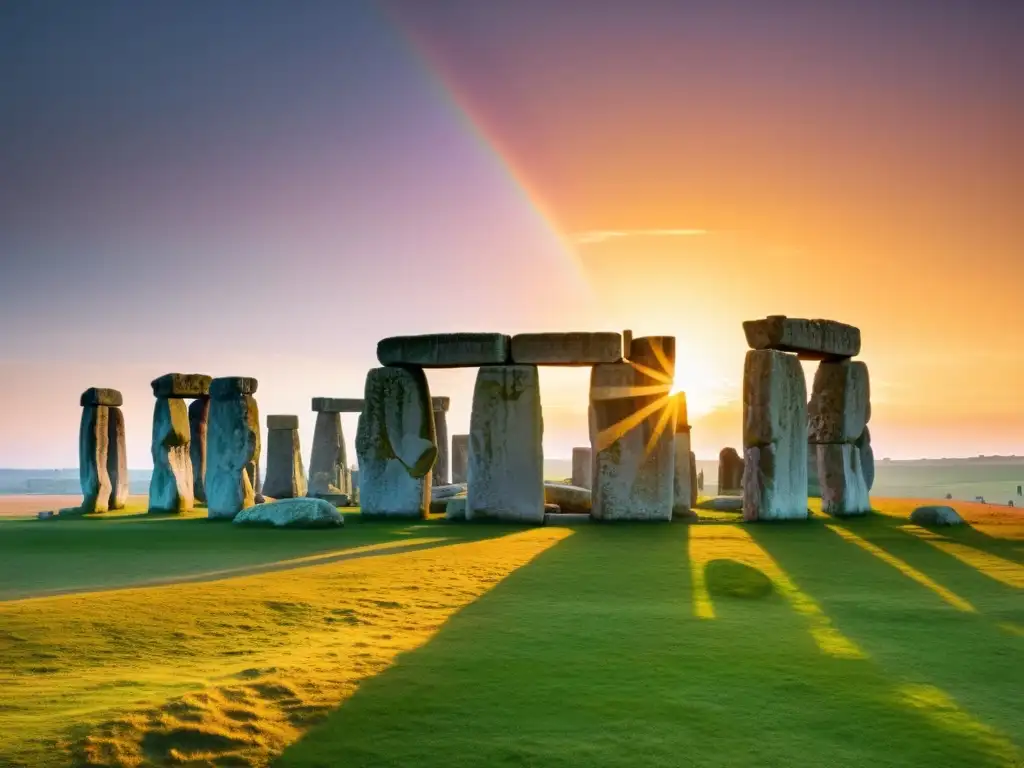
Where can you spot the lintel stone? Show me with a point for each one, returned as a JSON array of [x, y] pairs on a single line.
[[440, 403], [101, 396], [445, 350], [570, 349], [279, 421], [230, 387], [338, 404], [181, 385], [809, 339]]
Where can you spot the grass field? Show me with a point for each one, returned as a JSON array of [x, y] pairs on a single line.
[[134, 641]]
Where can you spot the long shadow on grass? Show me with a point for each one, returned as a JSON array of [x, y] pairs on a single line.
[[909, 630], [41, 560], [591, 655]]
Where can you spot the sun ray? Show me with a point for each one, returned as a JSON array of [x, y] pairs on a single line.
[[609, 435], [905, 568], [1006, 571], [668, 414], [652, 373], [620, 393]]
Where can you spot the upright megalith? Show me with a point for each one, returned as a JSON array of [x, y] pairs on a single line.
[[395, 444], [838, 414], [286, 477], [94, 448], [633, 435], [696, 480], [117, 458], [730, 473], [582, 467], [233, 446], [329, 475], [684, 480], [198, 426], [774, 437], [171, 488], [440, 406], [460, 458], [506, 458]]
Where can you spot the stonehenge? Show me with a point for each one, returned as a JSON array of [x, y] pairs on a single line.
[[286, 477], [506, 460], [329, 474], [460, 458], [440, 406], [795, 448], [730, 472], [395, 444], [233, 447], [102, 462], [171, 489]]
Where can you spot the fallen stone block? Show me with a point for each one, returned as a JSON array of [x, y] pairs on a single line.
[[292, 513], [101, 396], [338, 405], [186, 385], [455, 508], [810, 339], [570, 349], [506, 458], [935, 515], [445, 350], [569, 498], [840, 402]]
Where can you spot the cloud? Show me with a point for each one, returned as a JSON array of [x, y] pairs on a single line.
[[593, 236]]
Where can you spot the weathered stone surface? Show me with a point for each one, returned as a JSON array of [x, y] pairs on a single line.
[[838, 411], [328, 463], [170, 487], [282, 421], [286, 477], [441, 432], [935, 515], [774, 437], [460, 458], [292, 513], [569, 498], [395, 444], [445, 350], [230, 387], [186, 385], [335, 499], [867, 457], [117, 459], [682, 416], [567, 518], [455, 509], [440, 404], [354, 483], [338, 405], [655, 361], [730, 472], [572, 349], [101, 396], [683, 478], [843, 489], [813, 485], [722, 504], [233, 453], [634, 443], [506, 459], [439, 492], [811, 339], [93, 458], [696, 480], [582, 467], [198, 424]]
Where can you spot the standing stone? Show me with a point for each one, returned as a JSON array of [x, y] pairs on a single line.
[[286, 477], [582, 467], [93, 458], [328, 463], [840, 402], [506, 458], [198, 423], [696, 480], [395, 444], [700, 475], [633, 444], [460, 458], [233, 447], [685, 472], [774, 437], [117, 458], [170, 488], [730, 472], [867, 458], [844, 491], [813, 483], [440, 406]]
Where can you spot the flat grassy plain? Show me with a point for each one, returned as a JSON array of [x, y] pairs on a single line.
[[151, 641]]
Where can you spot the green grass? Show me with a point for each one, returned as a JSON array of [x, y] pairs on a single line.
[[831, 643]]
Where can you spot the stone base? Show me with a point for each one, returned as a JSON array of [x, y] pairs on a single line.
[[844, 491]]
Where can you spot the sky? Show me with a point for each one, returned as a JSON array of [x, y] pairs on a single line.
[[268, 188]]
